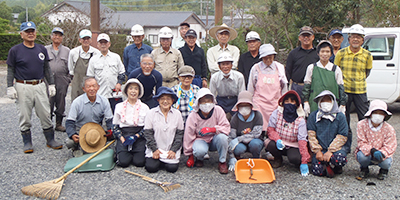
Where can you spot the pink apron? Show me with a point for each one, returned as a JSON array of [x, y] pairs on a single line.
[[267, 93]]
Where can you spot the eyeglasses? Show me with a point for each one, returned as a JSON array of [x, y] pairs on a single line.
[[186, 77], [147, 63]]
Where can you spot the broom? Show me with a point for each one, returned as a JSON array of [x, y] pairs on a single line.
[[166, 186], [52, 189]]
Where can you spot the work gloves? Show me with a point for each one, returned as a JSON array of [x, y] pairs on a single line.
[[342, 109], [52, 90], [280, 145], [11, 92], [232, 163], [232, 145], [109, 135], [207, 130], [129, 140], [377, 155], [304, 169], [190, 161], [307, 108]]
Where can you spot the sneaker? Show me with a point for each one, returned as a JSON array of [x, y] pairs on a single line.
[[199, 163], [206, 157], [338, 169], [382, 174], [223, 168], [276, 163], [269, 156]]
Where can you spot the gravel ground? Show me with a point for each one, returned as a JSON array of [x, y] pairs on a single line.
[[18, 170]]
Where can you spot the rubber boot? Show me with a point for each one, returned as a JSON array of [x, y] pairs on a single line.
[[59, 126], [27, 139], [49, 134], [382, 174]]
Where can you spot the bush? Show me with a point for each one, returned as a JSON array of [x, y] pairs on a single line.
[[9, 40]]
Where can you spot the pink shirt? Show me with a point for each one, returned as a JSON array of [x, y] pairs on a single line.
[[195, 123], [383, 140]]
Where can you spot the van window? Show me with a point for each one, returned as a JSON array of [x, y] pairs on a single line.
[[381, 47]]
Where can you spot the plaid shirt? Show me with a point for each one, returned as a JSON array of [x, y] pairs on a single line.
[[354, 67], [287, 131], [184, 100]]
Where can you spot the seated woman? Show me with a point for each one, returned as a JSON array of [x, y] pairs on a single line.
[[206, 129], [287, 133], [376, 140], [163, 130], [246, 128], [327, 134], [128, 123]]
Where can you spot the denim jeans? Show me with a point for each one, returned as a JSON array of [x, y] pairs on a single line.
[[218, 143], [365, 161], [254, 147]]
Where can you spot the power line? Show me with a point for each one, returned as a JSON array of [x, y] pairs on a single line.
[[141, 6]]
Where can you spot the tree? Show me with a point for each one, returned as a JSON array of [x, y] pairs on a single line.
[[5, 11], [22, 15], [4, 25], [17, 9]]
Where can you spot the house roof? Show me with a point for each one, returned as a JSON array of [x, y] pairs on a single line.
[[82, 6], [154, 18]]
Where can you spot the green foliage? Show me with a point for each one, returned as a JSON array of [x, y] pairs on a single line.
[[31, 15], [9, 40], [17, 9], [5, 11], [4, 25]]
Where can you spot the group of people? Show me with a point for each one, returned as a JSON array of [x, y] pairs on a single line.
[[166, 106]]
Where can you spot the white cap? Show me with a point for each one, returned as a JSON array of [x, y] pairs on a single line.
[[357, 29], [252, 35], [266, 50], [103, 36], [85, 33], [165, 32], [137, 30], [225, 56]]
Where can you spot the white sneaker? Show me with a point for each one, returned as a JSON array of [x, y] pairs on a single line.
[[206, 157], [269, 156]]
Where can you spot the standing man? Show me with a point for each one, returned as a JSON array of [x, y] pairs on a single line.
[[223, 34], [150, 78], [108, 70], [133, 52], [180, 41], [336, 38], [78, 61], [193, 56], [248, 59], [168, 60], [58, 55], [299, 59], [356, 64], [28, 63]]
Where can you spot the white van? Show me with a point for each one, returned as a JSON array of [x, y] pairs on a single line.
[[384, 80]]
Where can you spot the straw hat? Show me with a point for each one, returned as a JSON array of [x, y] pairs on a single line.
[[214, 30], [91, 137], [378, 105], [130, 81], [245, 97]]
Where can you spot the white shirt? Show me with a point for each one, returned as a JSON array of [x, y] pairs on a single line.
[[231, 86], [329, 66], [129, 114], [76, 52], [105, 69], [214, 52]]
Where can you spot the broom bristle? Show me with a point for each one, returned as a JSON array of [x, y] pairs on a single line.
[[45, 190], [170, 187]]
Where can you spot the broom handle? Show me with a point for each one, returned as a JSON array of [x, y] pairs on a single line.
[[82, 163], [136, 174]]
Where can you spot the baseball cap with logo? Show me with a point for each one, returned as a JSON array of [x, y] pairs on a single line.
[[103, 36], [335, 31], [307, 30], [85, 33], [58, 29], [186, 70], [27, 25], [191, 32]]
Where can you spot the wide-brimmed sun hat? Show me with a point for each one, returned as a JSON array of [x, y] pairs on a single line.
[[216, 29], [130, 81], [165, 90], [378, 105], [244, 97], [91, 137]]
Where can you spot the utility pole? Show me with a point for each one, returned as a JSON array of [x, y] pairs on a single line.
[[26, 14], [95, 20], [219, 5]]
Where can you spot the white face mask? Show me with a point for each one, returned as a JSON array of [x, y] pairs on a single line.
[[326, 106], [377, 118], [206, 107], [245, 110], [229, 73]]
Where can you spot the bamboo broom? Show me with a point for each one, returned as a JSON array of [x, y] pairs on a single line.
[[52, 189], [166, 186]]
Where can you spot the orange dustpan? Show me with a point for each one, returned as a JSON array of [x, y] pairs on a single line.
[[254, 171]]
